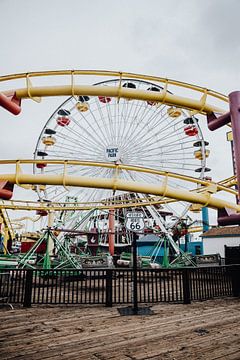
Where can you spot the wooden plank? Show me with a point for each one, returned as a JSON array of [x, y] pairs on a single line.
[[102, 334]]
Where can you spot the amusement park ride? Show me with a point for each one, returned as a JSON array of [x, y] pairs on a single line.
[[129, 144]]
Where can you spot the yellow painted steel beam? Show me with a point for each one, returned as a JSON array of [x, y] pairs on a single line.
[[204, 183], [117, 184], [231, 181], [165, 96], [114, 74], [15, 205], [8, 231], [119, 92]]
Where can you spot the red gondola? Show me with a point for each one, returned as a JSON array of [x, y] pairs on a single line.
[[63, 120], [191, 130], [104, 99], [41, 165], [42, 212]]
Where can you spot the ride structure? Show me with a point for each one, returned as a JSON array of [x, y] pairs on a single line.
[[129, 133]]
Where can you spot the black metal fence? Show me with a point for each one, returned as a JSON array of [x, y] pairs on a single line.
[[115, 286], [232, 254]]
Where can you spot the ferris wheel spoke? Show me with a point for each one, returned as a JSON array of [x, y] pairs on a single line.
[[84, 135], [86, 145], [172, 125], [138, 128], [140, 132], [131, 126], [125, 117], [179, 141], [166, 158], [168, 135], [90, 135], [65, 152], [128, 112], [99, 128], [177, 149], [148, 135], [106, 125], [88, 140], [173, 161], [136, 119], [92, 171]]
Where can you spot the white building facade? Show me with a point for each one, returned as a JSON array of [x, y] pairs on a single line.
[[215, 239]]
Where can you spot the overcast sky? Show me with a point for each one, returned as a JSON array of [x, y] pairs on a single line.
[[193, 41]]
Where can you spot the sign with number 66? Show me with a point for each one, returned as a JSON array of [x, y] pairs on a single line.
[[135, 221]]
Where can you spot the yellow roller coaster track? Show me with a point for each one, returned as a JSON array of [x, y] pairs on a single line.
[[202, 195], [35, 92], [6, 221]]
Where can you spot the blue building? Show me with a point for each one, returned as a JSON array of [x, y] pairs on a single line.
[[149, 246]]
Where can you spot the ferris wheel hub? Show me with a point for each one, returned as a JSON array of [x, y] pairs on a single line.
[[113, 153]]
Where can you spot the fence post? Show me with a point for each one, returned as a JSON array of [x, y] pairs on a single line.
[[28, 289], [186, 286], [109, 287], [235, 274]]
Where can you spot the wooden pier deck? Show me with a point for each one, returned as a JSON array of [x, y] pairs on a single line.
[[201, 330]]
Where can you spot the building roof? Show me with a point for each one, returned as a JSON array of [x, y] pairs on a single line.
[[222, 231], [148, 238]]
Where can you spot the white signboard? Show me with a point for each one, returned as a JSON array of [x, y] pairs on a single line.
[[112, 153], [135, 221]]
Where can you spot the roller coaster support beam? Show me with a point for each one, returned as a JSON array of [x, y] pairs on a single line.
[[227, 217], [233, 116], [234, 103], [11, 103], [215, 122]]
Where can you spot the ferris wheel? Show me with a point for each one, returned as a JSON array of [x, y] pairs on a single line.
[[120, 131]]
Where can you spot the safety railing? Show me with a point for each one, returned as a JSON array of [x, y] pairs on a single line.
[[115, 286]]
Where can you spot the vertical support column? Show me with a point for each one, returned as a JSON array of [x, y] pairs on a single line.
[[47, 260], [234, 104], [186, 286], [134, 257], [205, 219], [165, 262], [230, 139], [186, 239], [111, 231], [50, 244], [5, 240], [235, 275], [28, 289], [109, 287]]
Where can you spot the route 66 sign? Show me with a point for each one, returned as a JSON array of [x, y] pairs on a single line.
[[134, 221]]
